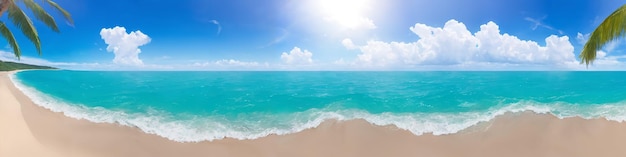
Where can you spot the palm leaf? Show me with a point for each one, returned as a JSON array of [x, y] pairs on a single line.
[[19, 18], [66, 14], [610, 29], [6, 33], [41, 14]]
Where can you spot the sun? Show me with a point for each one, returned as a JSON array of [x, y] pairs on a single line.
[[347, 13]]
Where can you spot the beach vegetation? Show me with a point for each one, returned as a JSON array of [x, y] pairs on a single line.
[[21, 20], [9, 66], [613, 27]]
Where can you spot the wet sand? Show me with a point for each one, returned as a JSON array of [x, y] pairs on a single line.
[[29, 130]]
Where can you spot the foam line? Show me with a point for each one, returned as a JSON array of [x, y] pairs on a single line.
[[192, 128]]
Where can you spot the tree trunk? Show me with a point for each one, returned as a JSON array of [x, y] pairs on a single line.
[[4, 6]]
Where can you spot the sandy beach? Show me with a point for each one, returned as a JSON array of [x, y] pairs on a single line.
[[29, 130]]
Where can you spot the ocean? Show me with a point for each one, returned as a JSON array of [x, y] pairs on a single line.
[[205, 106]]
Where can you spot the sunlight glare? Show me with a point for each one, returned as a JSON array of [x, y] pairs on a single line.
[[348, 13]]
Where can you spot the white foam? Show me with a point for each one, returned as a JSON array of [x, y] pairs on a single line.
[[194, 128]]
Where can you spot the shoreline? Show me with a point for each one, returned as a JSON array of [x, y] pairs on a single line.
[[36, 131]]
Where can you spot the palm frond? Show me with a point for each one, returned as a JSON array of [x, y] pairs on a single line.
[[41, 14], [19, 18], [6, 33], [613, 27], [66, 14]]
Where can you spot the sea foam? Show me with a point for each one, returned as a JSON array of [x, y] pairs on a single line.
[[198, 128]]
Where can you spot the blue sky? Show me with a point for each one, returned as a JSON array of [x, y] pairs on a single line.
[[323, 35]]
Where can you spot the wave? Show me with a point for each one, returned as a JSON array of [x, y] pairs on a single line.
[[192, 128]]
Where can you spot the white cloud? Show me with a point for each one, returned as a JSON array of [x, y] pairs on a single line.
[[9, 56], [604, 62], [454, 44], [609, 47], [537, 23], [284, 34], [297, 56], [367, 23], [349, 44], [227, 62], [224, 64], [582, 38], [235, 63], [124, 45], [219, 26]]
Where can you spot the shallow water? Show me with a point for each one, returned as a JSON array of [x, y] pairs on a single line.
[[197, 106]]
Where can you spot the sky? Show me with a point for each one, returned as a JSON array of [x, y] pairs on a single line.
[[322, 35]]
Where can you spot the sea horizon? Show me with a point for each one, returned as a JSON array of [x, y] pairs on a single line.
[[312, 78]]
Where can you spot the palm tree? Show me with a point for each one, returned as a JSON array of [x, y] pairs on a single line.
[[610, 29], [23, 22]]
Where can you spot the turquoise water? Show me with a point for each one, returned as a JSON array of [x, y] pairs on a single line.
[[198, 106]]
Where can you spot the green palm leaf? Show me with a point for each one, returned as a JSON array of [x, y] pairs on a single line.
[[6, 33], [19, 18], [610, 29], [66, 14], [41, 14]]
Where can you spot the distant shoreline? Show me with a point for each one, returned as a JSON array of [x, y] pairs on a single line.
[[11, 66]]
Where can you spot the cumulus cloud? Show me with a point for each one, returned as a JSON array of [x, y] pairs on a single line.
[[582, 38], [367, 23], [605, 62], [348, 44], [124, 45], [454, 44], [297, 56]]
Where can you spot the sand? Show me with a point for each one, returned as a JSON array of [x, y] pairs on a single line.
[[29, 130]]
